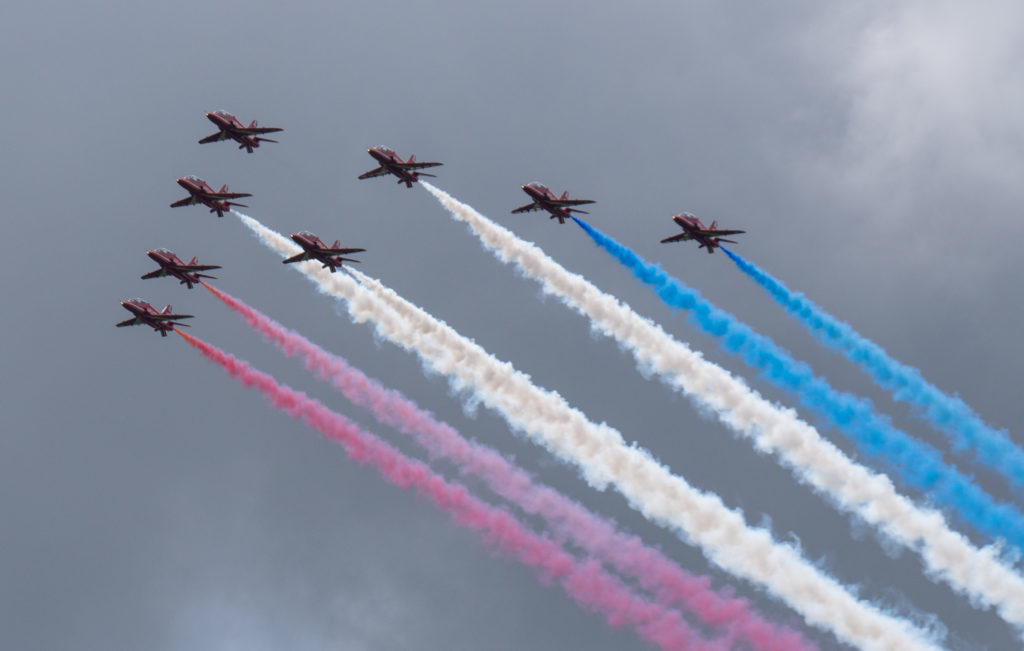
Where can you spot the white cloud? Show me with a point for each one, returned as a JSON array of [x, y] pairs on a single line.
[[932, 93]]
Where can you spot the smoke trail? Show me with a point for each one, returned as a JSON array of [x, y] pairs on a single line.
[[604, 458], [918, 464], [947, 555], [947, 413], [567, 518], [585, 581]]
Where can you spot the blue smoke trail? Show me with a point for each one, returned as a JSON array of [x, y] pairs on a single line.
[[917, 464], [949, 414]]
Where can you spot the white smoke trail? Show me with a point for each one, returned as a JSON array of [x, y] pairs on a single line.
[[604, 457], [947, 555]]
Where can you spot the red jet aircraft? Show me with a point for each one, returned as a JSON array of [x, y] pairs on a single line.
[[171, 265], [314, 249], [392, 163], [247, 137], [200, 192], [544, 199], [709, 237], [145, 314]]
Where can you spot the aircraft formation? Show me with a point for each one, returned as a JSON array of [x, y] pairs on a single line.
[[333, 257], [737, 548]]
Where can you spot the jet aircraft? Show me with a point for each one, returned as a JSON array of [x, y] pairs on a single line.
[[544, 199], [315, 249], [392, 163], [200, 192], [709, 237], [247, 137], [172, 265], [145, 314]]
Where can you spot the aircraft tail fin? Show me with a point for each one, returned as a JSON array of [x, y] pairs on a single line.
[[223, 188], [714, 225], [166, 310], [337, 244], [252, 124], [194, 259], [412, 158], [565, 195]]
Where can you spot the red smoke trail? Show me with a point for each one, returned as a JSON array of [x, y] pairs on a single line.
[[585, 581], [568, 519]]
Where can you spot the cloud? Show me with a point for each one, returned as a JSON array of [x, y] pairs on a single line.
[[928, 89]]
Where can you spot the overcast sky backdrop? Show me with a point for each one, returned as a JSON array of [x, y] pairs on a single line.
[[873, 153]]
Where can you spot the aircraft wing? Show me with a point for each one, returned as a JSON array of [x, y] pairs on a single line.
[[298, 257], [196, 267], [126, 322], [530, 207], [339, 251], [716, 233], [380, 171], [187, 201], [681, 237], [226, 195], [154, 274], [417, 166], [169, 317], [572, 202], [213, 137], [255, 131]]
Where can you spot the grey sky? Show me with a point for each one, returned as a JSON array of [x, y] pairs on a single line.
[[872, 154]]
